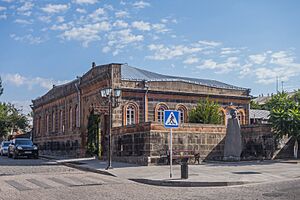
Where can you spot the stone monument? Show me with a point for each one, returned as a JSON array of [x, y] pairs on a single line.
[[233, 139]]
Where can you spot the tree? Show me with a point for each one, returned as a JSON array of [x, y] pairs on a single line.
[[206, 112], [285, 117], [1, 87], [296, 96], [11, 119], [93, 134], [255, 105]]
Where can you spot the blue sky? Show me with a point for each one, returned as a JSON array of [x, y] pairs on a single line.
[[244, 43]]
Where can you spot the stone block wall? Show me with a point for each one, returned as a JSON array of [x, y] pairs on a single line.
[[258, 142], [147, 143]]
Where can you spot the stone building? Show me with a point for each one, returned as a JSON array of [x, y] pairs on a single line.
[[138, 136]]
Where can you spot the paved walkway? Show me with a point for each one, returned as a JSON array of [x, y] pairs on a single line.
[[205, 174]]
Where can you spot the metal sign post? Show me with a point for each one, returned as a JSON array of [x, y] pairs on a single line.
[[171, 120]]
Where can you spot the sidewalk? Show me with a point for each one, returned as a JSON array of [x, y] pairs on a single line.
[[207, 174]]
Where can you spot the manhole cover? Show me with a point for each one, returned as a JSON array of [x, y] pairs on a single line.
[[248, 172]]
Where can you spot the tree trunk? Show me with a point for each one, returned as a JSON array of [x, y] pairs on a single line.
[[296, 149]]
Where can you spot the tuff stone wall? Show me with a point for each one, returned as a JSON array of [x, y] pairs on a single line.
[[148, 143], [258, 142]]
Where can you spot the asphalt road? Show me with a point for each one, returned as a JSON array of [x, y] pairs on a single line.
[[41, 179]]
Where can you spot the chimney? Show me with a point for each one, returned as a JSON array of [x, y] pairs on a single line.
[[93, 64]]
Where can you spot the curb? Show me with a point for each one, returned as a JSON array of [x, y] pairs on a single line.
[[187, 184], [88, 169]]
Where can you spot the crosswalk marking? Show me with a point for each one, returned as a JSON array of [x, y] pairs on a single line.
[[60, 181], [39, 183], [17, 185], [25, 184]]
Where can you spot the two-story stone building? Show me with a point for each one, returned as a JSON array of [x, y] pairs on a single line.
[[61, 115]]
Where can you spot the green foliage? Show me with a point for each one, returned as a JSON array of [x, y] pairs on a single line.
[[1, 87], [11, 119], [206, 112], [284, 115], [93, 129], [296, 96], [254, 105]]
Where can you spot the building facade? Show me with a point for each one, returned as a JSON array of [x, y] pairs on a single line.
[[61, 115]]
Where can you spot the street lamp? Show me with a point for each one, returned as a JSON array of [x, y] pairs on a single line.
[[112, 96]]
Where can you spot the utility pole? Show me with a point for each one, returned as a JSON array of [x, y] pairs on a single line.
[[282, 86]]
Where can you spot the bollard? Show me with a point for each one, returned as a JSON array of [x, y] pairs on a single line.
[[184, 169]]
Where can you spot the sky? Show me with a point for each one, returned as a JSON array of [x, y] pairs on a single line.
[[250, 44]]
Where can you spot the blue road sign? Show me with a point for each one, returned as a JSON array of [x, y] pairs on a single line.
[[171, 119]]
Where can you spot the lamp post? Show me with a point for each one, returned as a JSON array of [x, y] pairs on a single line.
[[112, 96]]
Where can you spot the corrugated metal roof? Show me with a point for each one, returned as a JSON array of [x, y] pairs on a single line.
[[135, 74], [259, 114]]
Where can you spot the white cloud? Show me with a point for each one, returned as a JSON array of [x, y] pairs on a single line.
[[122, 14], [142, 26], [23, 21], [123, 37], [61, 27], [160, 28], [97, 15], [2, 8], [140, 4], [25, 8], [227, 51], [258, 58], [191, 60], [106, 49], [60, 19], [162, 52], [85, 1], [223, 67], [117, 40], [55, 8], [86, 33], [209, 43], [27, 39], [45, 19], [3, 16], [19, 80], [81, 10], [120, 24]]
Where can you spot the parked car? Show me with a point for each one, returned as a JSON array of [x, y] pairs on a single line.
[[22, 147], [4, 147]]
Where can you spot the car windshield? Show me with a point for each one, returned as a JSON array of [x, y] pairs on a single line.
[[5, 144], [23, 142]]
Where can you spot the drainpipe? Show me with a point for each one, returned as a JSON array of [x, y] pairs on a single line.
[[79, 100], [146, 100]]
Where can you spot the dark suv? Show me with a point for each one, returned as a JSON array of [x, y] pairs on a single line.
[[22, 147]]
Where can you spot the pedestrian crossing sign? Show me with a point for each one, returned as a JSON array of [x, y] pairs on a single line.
[[171, 118]]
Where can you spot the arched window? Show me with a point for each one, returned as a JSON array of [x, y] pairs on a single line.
[[70, 118], [183, 113], [159, 112], [77, 116], [47, 123], [223, 116], [61, 121], [131, 114], [53, 121], [241, 116]]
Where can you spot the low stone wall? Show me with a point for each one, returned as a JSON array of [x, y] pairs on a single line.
[[258, 142], [147, 143]]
